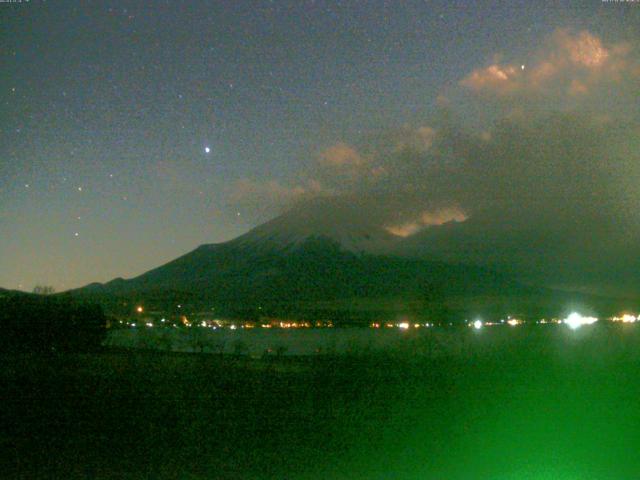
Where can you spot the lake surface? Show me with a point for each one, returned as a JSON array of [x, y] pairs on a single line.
[[603, 338]]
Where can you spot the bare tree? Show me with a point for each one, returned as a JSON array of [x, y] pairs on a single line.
[[44, 290]]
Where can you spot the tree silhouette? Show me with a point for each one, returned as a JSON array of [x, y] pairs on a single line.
[[44, 290]]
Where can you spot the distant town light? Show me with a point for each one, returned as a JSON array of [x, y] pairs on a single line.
[[626, 318], [575, 320], [139, 309], [403, 325], [477, 324]]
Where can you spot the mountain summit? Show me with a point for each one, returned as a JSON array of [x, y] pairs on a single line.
[[332, 220], [320, 258]]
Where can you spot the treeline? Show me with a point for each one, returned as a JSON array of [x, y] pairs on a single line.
[[49, 323]]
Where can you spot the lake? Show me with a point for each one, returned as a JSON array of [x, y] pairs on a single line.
[[604, 338]]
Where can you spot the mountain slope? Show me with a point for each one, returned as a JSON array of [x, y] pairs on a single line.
[[569, 259], [324, 258], [322, 253], [334, 220]]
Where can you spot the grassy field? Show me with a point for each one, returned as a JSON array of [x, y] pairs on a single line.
[[549, 407]]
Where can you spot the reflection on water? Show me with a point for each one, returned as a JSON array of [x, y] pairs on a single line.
[[431, 342]]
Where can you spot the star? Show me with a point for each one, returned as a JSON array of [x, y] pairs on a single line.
[[76, 234], [79, 189], [207, 150]]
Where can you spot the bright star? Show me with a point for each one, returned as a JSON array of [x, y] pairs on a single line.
[[207, 149]]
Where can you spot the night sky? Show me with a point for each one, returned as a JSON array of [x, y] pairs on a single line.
[[132, 132]]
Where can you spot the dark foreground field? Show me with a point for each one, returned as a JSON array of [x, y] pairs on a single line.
[[551, 406]]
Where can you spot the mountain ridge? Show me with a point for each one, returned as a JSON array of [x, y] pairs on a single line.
[[302, 262]]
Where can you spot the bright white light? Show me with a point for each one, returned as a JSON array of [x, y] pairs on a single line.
[[403, 325], [513, 322], [575, 320], [477, 324], [207, 149], [626, 318], [233, 327], [149, 324]]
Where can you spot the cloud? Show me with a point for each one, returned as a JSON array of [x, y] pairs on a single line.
[[341, 156], [583, 49], [556, 149], [260, 200], [428, 219], [337, 170], [499, 79], [418, 140], [569, 64]]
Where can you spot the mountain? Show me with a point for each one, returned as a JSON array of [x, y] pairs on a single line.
[[330, 219], [322, 259], [4, 293], [569, 259]]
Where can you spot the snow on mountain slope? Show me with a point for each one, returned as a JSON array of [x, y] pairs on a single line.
[[333, 220]]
